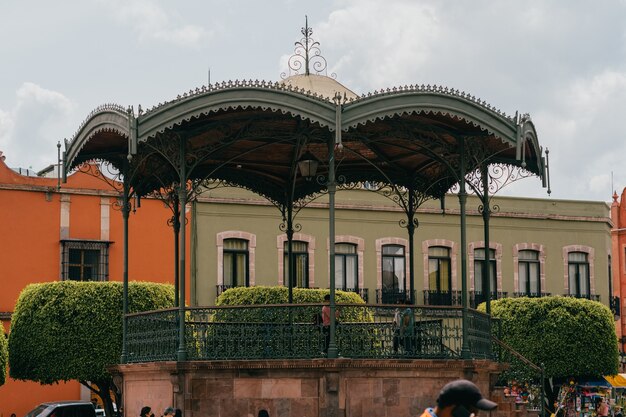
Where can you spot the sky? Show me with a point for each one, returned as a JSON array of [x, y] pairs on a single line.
[[561, 61]]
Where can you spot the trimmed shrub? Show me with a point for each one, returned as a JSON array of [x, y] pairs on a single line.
[[4, 353], [72, 330], [247, 330], [570, 336], [248, 296]]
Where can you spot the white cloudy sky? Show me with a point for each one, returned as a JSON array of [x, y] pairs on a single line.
[[562, 61]]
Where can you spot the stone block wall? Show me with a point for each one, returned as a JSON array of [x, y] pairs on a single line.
[[297, 388]]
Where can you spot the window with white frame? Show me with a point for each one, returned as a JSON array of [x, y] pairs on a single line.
[[529, 272], [346, 267]]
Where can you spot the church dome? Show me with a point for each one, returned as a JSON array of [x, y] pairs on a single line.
[[320, 84]]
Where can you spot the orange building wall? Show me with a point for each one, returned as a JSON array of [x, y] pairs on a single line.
[[31, 252], [618, 261]]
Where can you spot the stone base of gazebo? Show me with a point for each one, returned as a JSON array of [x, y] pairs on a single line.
[[298, 388]]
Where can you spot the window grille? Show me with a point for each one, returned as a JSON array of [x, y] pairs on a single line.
[[85, 260]]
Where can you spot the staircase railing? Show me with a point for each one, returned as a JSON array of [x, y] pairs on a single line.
[[538, 369]]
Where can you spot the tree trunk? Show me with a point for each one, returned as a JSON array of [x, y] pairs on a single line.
[[103, 390]]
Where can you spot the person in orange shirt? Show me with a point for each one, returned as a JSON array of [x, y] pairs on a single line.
[[459, 398]]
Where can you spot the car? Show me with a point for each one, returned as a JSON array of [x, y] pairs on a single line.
[[63, 409]]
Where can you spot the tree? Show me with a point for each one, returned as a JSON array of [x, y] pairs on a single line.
[[4, 353], [72, 330], [571, 337]]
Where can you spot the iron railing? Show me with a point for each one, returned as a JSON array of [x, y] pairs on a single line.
[[442, 298], [592, 297], [363, 292], [291, 331], [615, 306], [520, 371], [477, 297], [392, 296], [531, 294]]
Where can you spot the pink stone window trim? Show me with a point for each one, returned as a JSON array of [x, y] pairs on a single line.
[[280, 245], [590, 258], [453, 258], [542, 263], [236, 234], [379, 258], [497, 247], [360, 249]]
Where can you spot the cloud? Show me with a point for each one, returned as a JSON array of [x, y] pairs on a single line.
[[583, 127], [375, 41], [30, 130], [151, 22]]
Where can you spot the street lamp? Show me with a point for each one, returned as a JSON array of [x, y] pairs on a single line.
[[307, 164]]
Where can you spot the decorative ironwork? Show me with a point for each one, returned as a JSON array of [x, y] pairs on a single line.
[[592, 297], [500, 175], [531, 294], [442, 298], [393, 296], [477, 297], [615, 306], [283, 227], [307, 55], [291, 331]]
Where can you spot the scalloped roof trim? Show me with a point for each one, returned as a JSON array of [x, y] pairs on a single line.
[[278, 86]]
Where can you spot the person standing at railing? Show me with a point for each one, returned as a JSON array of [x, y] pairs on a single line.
[[407, 329], [326, 322], [397, 318]]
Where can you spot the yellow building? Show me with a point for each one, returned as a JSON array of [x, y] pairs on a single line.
[[537, 247]]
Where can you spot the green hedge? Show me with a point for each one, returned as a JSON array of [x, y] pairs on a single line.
[[72, 330], [570, 336], [247, 296], [4, 353], [281, 330]]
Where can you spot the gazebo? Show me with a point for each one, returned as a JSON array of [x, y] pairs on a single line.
[[300, 137]]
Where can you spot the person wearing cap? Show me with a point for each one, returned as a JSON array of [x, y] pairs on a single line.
[[169, 412], [459, 398]]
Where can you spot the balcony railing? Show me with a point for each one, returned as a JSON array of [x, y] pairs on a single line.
[[442, 298], [593, 297], [221, 288], [363, 292], [531, 294], [615, 306], [290, 331], [392, 296], [477, 297]]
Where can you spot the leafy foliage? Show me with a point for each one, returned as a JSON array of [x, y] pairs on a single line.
[[247, 296], [570, 336], [72, 330], [280, 295], [4, 353]]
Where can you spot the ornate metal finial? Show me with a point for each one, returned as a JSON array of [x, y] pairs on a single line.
[[306, 54]]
